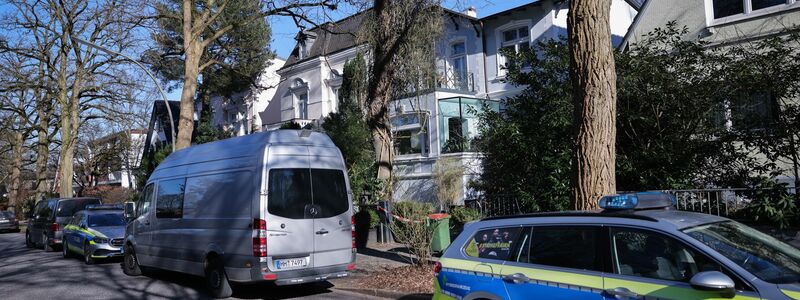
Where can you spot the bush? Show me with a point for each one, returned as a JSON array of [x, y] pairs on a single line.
[[460, 215], [414, 232], [772, 205]]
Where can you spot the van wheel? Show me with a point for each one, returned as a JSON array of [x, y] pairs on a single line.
[[46, 243], [28, 242], [130, 264], [87, 255], [217, 279]]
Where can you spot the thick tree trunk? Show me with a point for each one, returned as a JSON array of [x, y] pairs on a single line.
[[191, 68], [69, 137], [15, 177], [594, 83], [42, 154]]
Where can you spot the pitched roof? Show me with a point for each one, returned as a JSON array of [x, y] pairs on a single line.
[[331, 38]]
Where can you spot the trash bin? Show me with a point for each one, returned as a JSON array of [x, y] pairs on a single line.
[[441, 231]]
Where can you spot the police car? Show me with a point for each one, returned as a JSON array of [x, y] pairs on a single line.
[[95, 233], [636, 247]]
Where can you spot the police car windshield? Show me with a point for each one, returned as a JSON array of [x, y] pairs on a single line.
[[762, 255], [106, 220]]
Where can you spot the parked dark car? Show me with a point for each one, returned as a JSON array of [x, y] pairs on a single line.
[[48, 218], [8, 222]]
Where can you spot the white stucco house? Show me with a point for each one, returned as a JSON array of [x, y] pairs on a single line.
[[441, 122], [245, 112]]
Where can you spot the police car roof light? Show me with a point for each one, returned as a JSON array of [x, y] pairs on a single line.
[[638, 201]]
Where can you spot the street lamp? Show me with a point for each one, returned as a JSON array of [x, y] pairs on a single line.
[[158, 85]]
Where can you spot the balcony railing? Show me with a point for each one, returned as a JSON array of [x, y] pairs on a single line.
[[448, 79]]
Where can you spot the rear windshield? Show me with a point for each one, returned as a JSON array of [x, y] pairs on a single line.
[[67, 208], [6, 215], [307, 193], [115, 219]]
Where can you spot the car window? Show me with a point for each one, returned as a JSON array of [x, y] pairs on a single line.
[[169, 203], [7, 215], [145, 201], [100, 220], [653, 255], [46, 210], [493, 243], [292, 191], [203, 195], [68, 208], [561, 246]]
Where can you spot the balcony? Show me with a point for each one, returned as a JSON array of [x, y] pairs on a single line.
[[450, 80]]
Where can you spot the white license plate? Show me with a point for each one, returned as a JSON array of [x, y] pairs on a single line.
[[291, 263], [4, 221]]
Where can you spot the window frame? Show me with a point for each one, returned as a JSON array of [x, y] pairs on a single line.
[[601, 240], [500, 42], [747, 13], [610, 260], [452, 57]]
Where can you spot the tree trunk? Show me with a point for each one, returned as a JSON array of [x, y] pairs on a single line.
[[594, 94], [16, 170], [69, 138], [42, 152], [191, 68]]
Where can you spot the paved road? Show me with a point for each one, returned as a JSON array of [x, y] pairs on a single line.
[[35, 274]]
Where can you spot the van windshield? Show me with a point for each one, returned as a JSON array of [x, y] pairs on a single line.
[[307, 193], [67, 208]]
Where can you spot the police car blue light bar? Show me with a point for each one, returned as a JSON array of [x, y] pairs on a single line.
[[637, 201]]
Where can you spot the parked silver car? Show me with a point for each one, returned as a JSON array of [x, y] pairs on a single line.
[[272, 206], [8, 221]]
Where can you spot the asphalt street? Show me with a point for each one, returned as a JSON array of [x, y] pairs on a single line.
[[35, 274]]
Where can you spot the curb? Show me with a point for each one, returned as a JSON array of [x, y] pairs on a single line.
[[385, 293]]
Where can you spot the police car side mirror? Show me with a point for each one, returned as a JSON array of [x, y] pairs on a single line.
[[129, 209], [714, 281]]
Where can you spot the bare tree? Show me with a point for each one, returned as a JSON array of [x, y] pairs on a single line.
[[595, 96]]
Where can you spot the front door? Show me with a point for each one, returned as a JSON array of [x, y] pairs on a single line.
[[648, 264], [552, 262], [141, 226]]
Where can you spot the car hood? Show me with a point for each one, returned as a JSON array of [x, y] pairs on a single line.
[[111, 232]]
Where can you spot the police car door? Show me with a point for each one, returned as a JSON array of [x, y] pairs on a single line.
[[555, 262], [648, 264]]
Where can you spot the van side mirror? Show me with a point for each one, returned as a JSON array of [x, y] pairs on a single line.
[[130, 207], [714, 281]]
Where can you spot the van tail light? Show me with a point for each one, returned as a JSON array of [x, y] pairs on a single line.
[[54, 227], [437, 267], [259, 238], [353, 231]]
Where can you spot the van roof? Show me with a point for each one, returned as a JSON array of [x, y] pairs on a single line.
[[238, 152]]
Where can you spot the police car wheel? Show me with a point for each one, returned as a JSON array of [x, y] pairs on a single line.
[[130, 265], [65, 251], [217, 279], [87, 255]]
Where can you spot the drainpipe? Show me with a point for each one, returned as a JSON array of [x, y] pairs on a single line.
[[485, 75]]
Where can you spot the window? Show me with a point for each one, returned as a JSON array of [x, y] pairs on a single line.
[[514, 40], [145, 201], [334, 102], [495, 243], [458, 65], [566, 247], [170, 198], [302, 105], [307, 193], [754, 112], [204, 195], [106, 220], [727, 8], [653, 255], [410, 133]]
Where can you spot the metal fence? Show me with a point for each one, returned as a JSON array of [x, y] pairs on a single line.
[[721, 202]]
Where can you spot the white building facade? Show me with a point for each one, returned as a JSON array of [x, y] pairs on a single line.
[[440, 123]]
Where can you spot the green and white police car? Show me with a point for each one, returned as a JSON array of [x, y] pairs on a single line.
[[637, 247]]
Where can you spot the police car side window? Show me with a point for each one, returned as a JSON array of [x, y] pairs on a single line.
[[562, 246], [493, 243], [649, 254]]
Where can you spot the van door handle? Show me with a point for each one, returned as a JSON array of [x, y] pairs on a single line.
[[622, 293], [517, 278], [322, 231]]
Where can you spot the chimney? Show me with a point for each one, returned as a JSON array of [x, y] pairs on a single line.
[[471, 12]]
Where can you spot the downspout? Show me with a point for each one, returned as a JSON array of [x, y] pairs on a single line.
[[485, 70]]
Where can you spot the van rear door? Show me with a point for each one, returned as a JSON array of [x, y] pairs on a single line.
[[332, 228], [290, 225]]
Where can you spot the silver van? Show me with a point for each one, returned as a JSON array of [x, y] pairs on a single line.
[[271, 206]]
